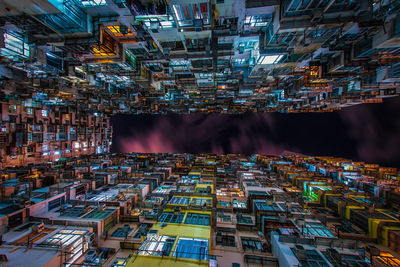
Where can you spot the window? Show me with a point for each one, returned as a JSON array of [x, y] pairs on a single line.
[[44, 113], [249, 243], [192, 248], [312, 257], [14, 46], [187, 13], [240, 61], [244, 219], [55, 203], [61, 136], [12, 109], [171, 217], [109, 222], [224, 218], [107, 48], [157, 245], [30, 149], [225, 240], [20, 139], [316, 229], [198, 219], [238, 204], [120, 31], [180, 200], [157, 22], [270, 59], [257, 21], [90, 3], [36, 128], [203, 190], [201, 202]]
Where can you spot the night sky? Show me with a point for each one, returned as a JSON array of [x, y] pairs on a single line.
[[367, 132]]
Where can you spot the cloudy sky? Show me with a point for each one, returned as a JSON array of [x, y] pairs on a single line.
[[368, 132]]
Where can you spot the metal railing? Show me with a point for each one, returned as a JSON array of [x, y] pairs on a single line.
[[175, 254]]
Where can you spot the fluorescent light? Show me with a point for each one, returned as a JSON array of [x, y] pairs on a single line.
[[177, 13], [51, 55], [273, 59], [166, 24]]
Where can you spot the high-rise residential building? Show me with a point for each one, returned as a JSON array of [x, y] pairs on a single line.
[[68, 66]]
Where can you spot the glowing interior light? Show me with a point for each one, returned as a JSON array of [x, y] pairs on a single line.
[[178, 15], [273, 59]]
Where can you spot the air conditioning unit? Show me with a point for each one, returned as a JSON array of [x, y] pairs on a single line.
[[282, 218], [38, 228]]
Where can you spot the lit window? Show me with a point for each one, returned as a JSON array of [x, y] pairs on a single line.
[[90, 3], [170, 217], [257, 21], [118, 31], [167, 24], [107, 48], [14, 46], [240, 61], [44, 113], [157, 245], [187, 13], [273, 59], [193, 248]]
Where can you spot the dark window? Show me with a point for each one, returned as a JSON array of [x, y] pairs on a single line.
[[171, 217], [198, 219], [225, 240], [249, 243], [55, 203]]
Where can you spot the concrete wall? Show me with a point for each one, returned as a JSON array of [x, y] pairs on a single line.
[[282, 252]]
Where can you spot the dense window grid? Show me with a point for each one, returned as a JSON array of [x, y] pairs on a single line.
[[55, 203], [250, 243], [187, 13], [14, 46], [180, 200], [171, 217], [316, 229], [193, 248], [157, 245], [109, 222], [201, 202], [198, 219]]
